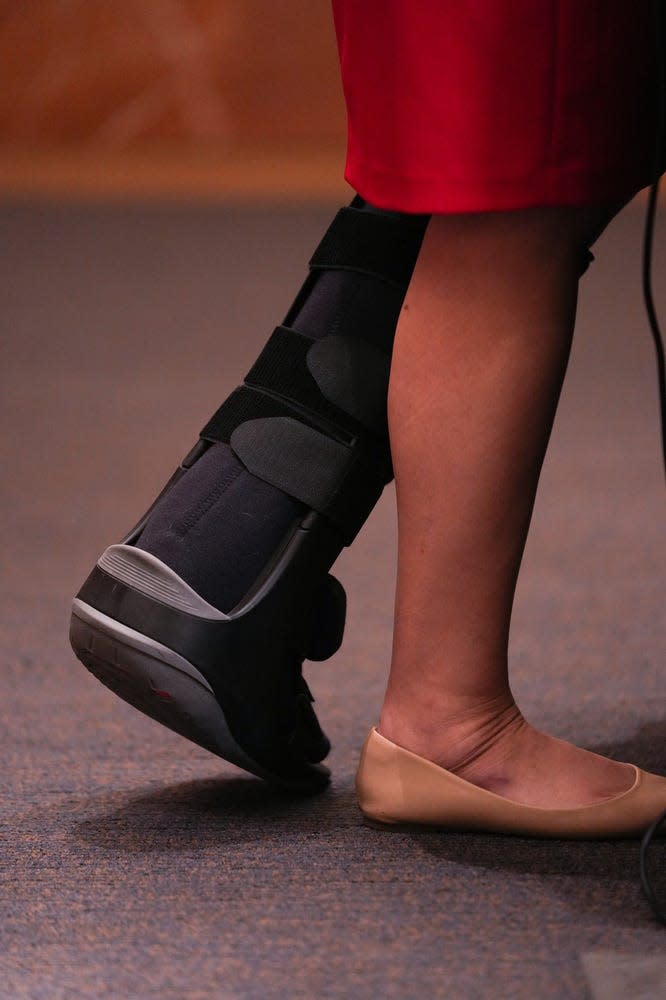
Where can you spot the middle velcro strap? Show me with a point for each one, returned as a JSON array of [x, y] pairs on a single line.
[[342, 379], [282, 368]]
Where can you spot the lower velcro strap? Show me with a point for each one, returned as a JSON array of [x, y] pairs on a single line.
[[375, 243], [333, 478]]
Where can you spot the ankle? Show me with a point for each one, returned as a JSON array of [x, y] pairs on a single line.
[[452, 732]]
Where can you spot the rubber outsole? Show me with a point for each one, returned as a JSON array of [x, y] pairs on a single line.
[[162, 684]]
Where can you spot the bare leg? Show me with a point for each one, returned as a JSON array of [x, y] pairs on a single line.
[[480, 355]]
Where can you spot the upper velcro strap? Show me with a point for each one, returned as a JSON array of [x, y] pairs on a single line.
[[385, 246], [331, 477]]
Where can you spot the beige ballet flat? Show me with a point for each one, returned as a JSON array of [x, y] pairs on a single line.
[[395, 786]]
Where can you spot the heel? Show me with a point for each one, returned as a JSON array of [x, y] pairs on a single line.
[[155, 680]]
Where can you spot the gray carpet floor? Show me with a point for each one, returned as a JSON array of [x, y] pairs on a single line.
[[136, 865]]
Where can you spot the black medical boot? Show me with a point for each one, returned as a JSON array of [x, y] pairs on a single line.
[[203, 615]]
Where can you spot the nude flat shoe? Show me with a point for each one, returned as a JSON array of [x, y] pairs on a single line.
[[395, 786]]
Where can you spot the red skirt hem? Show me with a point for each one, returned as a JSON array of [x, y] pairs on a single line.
[[392, 191]]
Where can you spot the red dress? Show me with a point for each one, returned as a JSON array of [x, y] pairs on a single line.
[[481, 105]]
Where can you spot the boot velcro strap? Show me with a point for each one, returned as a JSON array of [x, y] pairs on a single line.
[[343, 379], [244, 404], [282, 368], [333, 478], [289, 449], [384, 246]]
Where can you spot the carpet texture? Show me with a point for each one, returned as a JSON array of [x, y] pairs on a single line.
[[136, 865]]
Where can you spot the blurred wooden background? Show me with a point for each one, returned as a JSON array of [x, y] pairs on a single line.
[[195, 97]]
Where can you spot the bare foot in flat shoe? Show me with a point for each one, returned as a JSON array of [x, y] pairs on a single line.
[[497, 749]]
